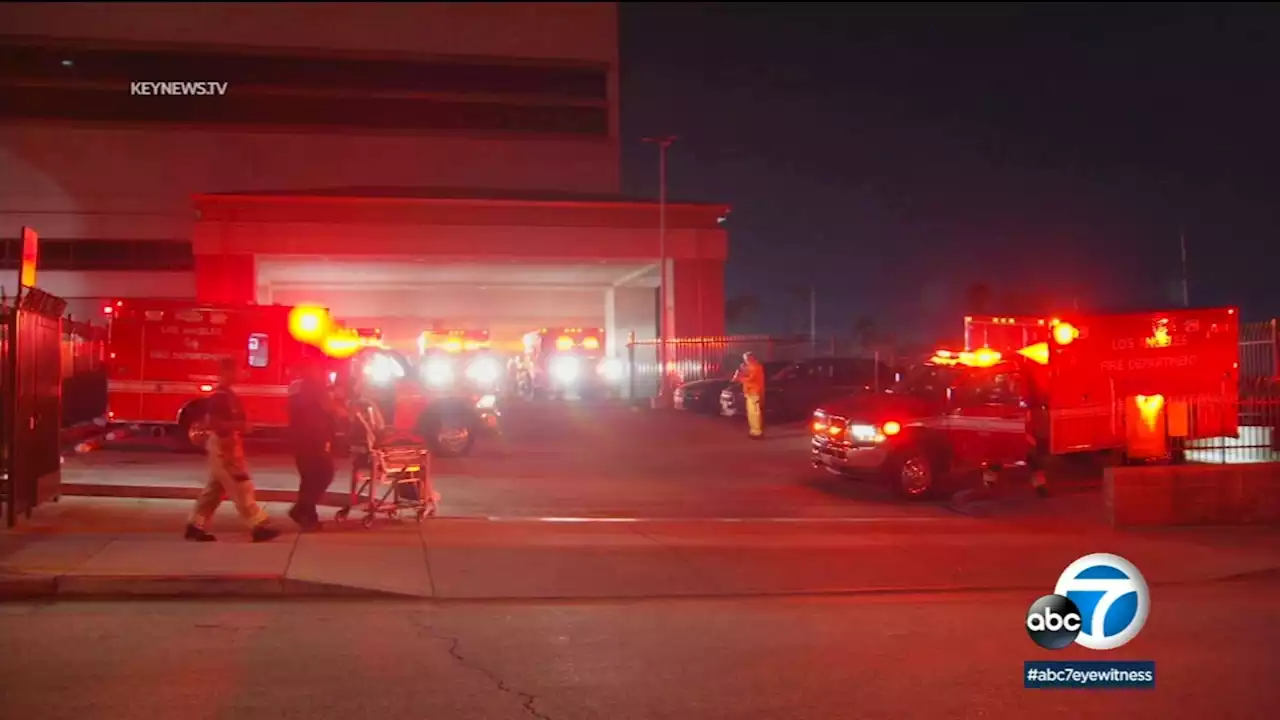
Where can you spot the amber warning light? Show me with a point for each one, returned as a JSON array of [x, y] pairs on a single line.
[[30, 256]]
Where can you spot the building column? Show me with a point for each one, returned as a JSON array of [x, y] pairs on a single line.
[[226, 278], [698, 298], [613, 345]]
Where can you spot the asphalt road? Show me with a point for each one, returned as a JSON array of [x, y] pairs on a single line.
[[937, 656], [574, 460]]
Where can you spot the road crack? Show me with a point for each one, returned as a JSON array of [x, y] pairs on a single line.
[[527, 700]]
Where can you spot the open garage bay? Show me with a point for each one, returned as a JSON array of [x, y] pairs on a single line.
[[569, 460]]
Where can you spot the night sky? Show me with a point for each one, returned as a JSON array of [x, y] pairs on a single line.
[[893, 155]]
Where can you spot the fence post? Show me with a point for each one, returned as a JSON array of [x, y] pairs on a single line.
[[631, 365]]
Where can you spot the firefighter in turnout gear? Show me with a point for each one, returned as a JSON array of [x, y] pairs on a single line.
[[228, 474], [751, 376]]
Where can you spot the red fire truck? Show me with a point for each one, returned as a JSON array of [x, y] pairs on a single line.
[[1111, 385], [164, 355], [566, 361]]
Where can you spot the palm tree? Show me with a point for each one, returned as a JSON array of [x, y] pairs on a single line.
[[978, 298], [866, 332]]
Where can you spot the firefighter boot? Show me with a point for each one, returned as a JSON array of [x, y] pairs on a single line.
[[264, 533], [195, 533], [1039, 483]]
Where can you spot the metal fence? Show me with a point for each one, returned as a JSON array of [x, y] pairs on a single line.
[[1256, 440], [691, 359], [84, 372], [30, 395], [1258, 352]]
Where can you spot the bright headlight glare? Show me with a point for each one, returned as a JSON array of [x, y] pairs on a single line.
[[565, 368], [486, 402], [438, 372], [865, 433], [484, 371], [382, 369], [611, 369]]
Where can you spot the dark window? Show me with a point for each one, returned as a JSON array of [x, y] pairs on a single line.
[[66, 64], [321, 113], [990, 389], [94, 254]]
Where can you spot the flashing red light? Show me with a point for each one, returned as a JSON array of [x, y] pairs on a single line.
[[107, 309], [1064, 333], [891, 428]]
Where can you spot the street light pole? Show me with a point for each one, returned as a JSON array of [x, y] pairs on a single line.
[[664, 315]]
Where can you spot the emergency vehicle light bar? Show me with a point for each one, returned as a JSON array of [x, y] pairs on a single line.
[[980, 358], [1004, 320]]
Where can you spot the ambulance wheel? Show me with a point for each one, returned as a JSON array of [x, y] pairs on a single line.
[[448, 439], [914, 474], [191, 433]]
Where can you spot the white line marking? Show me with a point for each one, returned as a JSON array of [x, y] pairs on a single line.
[[788, 520]]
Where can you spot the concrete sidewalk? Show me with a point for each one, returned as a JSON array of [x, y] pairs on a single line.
[[97, 547]]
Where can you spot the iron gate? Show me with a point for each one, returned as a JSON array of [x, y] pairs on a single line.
[[31, 395]]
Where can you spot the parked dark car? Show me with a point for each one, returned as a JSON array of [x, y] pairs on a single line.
[[793, 392], [703, 396]]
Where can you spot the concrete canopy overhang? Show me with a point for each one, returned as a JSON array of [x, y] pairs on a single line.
[[457, 257], [449, 224], [282, 272]]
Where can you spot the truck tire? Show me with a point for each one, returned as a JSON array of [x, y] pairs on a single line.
[[447, 438], [190, 435], [915, 474]]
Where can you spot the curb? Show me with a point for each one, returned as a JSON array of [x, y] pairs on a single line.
[[33, 587], [167, 492], [17, 588]]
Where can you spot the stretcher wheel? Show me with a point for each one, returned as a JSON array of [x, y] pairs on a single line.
[[341, 515], [367, 521], [393, 514]]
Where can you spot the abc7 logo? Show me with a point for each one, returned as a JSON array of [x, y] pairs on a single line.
[[1101, 602], [1054, 622]]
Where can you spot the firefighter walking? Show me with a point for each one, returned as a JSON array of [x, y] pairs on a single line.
[[228, 473], [751, 376], [313, 426]]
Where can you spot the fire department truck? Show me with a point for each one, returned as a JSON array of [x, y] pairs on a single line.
[[1121, 387], [459, 358], [557, 362], [164, 355]]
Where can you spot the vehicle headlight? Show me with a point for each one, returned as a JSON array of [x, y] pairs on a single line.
[[865, 433], [565, 368], [484, 371], [382, 369], [437, 372], [486, 402], [611, 369]]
